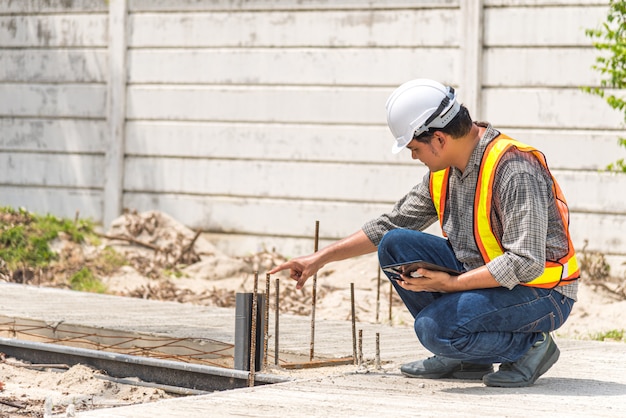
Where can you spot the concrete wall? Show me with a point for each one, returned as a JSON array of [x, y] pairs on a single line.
[[251, 120], [53, 85]]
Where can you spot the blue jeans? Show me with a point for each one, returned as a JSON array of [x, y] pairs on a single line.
[[494, 325]]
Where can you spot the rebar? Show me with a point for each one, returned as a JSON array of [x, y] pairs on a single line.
[[353, 323], [360, 361], [253, 330], [276, 315], [378, 294], [318, 363], [390, 300], [188, 350], [377, 359], [266, 310], [314, 294]]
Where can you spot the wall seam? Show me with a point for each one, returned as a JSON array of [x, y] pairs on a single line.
[[116, 111]]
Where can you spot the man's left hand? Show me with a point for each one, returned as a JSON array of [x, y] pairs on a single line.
[[429, 281]]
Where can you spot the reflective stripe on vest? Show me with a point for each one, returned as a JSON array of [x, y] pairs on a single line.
[[556, 273], [439, 192]]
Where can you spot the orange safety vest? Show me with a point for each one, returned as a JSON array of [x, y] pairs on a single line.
[[556, 273]]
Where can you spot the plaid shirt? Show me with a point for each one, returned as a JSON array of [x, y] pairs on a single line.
[[524, 216]]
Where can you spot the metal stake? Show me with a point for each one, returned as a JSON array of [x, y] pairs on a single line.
[[266, 336], [378, 294], [353, 323], [314, 295], [377, 360], [360, 361], [390, 299], [276, 312], [253, 330]]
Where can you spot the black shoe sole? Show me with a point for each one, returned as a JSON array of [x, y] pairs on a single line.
[[471, 374], [475, 374]]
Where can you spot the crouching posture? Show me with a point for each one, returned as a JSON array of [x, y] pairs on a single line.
[[505, 228]]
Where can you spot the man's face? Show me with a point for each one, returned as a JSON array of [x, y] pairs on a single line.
[[426, 153]]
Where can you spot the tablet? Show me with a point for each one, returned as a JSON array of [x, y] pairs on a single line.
[[396, 270]]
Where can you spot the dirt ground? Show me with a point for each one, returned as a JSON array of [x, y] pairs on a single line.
[[167, 261], [50, 391]]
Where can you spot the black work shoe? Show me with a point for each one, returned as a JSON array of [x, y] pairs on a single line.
[[437, 367], [525, 371]]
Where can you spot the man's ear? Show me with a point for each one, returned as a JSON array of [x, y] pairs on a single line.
[[440, 138]]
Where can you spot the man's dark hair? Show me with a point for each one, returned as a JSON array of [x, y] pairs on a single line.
[[459, 126]]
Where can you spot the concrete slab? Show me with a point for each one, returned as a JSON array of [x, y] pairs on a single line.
[[587, 382], [589, 379]]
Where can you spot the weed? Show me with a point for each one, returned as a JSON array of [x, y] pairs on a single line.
[[593, 265], [85, 281], [173, 273], [109, 261], [25, 237], [612, 335]]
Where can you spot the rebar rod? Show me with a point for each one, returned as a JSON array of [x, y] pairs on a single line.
[[276, 315], [378, 294], [360, 361], [390, 299], [253, 330], [377, 359], [266, 309], [353, 322], [314, 294]]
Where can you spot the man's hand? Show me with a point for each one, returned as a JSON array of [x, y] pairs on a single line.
[[423, 280], [301, 268], [438, 281]]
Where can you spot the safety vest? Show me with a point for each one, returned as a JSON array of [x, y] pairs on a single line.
[[556, 273]]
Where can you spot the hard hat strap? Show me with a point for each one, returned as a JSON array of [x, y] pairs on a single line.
[[444, 103]]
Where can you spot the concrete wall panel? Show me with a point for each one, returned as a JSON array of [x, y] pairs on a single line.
[[54, 65], [308, 28], [62, 30]]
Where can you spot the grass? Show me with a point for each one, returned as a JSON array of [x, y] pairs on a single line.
[[85, 281], [25, 237], [25, 240], [612, 335]]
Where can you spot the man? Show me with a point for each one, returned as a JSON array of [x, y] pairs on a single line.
[[506, 224]]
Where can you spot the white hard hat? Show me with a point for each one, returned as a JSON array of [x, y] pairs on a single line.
[[418, 105]]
